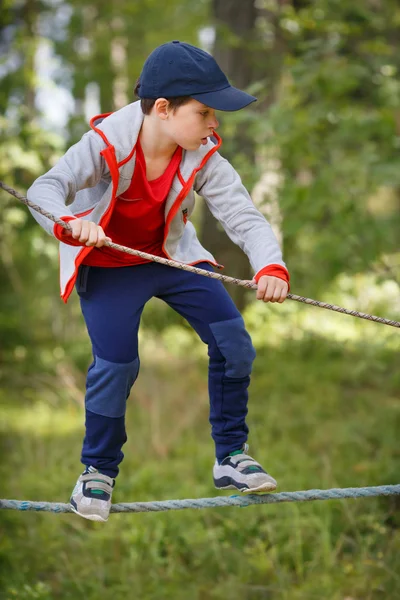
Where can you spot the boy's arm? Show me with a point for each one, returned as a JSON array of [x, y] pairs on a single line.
[[228, 200], [81, 167]]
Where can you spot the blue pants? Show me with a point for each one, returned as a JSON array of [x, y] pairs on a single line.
[[112, 301]]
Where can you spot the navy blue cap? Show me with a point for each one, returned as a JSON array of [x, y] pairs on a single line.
[[179, 69]]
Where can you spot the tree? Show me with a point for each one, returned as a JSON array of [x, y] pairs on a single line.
[[335, 126], [250, 62]]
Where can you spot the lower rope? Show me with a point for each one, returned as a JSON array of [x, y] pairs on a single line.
[[218, 501]]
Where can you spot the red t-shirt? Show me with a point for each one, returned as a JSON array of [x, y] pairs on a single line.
[[138, 217]]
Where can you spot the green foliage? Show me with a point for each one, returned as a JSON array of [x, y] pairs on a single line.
[[334, 127], [108, 42], [82, 36]]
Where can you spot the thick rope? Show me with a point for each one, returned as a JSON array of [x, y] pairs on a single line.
[[224, 278], [218, 501]]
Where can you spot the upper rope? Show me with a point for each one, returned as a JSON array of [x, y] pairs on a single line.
[[224, 278]]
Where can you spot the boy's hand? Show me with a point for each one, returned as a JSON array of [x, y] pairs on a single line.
[[272, 289], [88, 233]]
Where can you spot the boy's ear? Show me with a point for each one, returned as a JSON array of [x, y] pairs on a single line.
[[161, 106]]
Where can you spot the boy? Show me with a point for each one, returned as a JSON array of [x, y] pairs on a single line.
[[132, 179]]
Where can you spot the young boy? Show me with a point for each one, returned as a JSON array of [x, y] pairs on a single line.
[[132, 179]]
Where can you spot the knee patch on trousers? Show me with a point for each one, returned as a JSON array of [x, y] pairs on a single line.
[[235, 345], [108, 385]]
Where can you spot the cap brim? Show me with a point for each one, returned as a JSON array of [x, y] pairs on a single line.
[[229, 99]]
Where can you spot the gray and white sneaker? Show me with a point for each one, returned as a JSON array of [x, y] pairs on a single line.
[[239, 471], [91, 497]]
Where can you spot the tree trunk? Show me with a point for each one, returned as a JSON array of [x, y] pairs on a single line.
[[234, 25], [246, 59], [29, 48]]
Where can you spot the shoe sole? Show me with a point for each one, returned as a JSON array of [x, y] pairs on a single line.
[[89, 517], [265, 488]]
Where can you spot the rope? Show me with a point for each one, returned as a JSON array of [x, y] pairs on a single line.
[[218, 501], [224, 278]]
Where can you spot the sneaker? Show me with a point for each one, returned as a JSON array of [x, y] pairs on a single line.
[[91, 497], [239, 471]]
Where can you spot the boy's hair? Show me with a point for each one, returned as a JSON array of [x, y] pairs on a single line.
[[146, 104]]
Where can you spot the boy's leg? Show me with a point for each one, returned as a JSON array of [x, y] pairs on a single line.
[[112, 301], [210, 310]]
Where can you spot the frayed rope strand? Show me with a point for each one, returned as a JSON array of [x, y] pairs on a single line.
[[184, 267], [217, 502]]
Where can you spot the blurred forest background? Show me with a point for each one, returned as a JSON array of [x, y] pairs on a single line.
[[319, 152]]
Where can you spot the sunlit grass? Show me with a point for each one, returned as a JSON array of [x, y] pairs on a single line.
[[40, 420], [293, 320], [276, 325]]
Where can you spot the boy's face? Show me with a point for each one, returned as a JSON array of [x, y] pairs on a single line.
[[190, 125]]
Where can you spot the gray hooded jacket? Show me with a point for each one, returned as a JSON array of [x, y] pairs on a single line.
[[91, 175]]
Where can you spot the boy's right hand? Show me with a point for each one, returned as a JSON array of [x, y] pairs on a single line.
[[88, 233]]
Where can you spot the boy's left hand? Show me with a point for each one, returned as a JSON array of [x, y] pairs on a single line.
[[272, 289]]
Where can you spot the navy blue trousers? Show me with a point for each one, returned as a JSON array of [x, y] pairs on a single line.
[[112, 301]]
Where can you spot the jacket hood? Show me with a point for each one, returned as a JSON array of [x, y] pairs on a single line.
[[121, 130]]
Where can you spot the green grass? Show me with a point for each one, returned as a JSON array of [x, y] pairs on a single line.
[[322, 414]]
